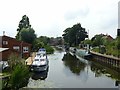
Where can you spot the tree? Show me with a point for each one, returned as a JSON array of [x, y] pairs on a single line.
[[44, 39], [24, 31], [74, 35], [59, 40], [66, 35], [27, 35], [38, 44], [97, 40], [24, 23], [87, 41]]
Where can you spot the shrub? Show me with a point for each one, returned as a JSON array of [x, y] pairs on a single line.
[[19, 73], [49, 49], [13, 60], [19, 77]]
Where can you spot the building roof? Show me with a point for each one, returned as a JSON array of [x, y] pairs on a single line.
[[15, 40], [3, 49]]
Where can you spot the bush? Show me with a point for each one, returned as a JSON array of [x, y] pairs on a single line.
[[13, 60], [49, 49], [19, 73], [19, 77]]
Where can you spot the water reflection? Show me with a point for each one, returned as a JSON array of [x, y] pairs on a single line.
[[104, 70], [40, 75], [66, 71], [73, 63]]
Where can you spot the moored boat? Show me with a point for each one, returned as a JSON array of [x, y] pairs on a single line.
[[40, 62]]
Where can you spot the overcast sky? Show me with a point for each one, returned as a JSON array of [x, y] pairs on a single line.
[[51, 17]]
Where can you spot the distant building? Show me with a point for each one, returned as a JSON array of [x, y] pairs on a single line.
[[9, 45], [108, 37], [56, 41]]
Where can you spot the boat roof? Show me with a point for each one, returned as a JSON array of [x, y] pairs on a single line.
[[42, 49]]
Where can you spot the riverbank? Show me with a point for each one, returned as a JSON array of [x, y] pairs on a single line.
[[107, 59]]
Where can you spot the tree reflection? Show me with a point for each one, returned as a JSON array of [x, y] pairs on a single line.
[[73, 63], [101, 69]]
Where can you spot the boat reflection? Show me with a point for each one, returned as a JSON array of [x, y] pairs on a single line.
[[73, 63], [40, 75]]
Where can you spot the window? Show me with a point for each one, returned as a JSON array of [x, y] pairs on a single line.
[[16, 48], [5, 42], [25, 49]]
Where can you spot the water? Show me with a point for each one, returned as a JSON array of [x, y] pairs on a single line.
[[66, 71]]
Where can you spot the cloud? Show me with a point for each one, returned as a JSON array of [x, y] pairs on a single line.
[[81, 12], [52, 17]]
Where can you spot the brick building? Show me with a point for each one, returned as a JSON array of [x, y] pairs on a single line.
[[20, 48]]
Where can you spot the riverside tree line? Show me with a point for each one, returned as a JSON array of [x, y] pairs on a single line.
[[105, 44], [26, 33]]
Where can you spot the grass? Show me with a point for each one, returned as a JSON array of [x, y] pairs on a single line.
[[95, 49]]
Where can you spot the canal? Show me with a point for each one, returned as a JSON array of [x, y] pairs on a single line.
[[67, 71]]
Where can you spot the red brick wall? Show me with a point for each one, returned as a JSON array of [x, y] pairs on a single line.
[[13, 42], [6, 54]]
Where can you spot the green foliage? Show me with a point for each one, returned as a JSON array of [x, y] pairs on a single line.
[[102, 49], [24, 23], [49, 49], [25, 32], [111, 47], [40, 42], [118, 42], [19, 77], [87, 41], [96, 49], [19, 73], [97, 40], [27, 35], [37, 44], [44, 39], [75, 34], [13, 60]]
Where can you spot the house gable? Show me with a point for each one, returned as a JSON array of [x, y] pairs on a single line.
[[19, 47]]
